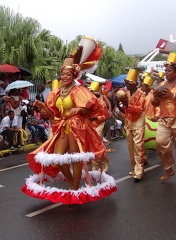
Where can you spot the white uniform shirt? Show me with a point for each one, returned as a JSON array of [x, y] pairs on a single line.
[[5, 122]]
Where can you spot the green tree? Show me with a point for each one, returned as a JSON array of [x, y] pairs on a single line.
[[113, 62], [120, 48], [23, 43]]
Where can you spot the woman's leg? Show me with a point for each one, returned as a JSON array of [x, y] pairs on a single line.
[[77, 167], [61, 146]]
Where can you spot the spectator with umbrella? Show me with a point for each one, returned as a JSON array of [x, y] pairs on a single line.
[[15, 97]]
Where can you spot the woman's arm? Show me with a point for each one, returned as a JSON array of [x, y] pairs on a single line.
[[42, 105], [15, 103]]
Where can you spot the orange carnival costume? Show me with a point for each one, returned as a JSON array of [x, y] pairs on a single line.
[[98, 121], [102, 113], [166, 93], [44, 161], [135, 125]]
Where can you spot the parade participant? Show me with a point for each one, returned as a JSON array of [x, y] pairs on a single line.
[[165, 99], [150, 111], [141, 77], [98, 121], [112, 94], [74, 143], [146, 87], [134, 110], [159, 77]]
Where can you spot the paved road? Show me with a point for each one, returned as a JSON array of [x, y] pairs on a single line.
[[137, 211]]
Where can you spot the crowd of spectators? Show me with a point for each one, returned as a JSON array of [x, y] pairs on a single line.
[[18, 113]]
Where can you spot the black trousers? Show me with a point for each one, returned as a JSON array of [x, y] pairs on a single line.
[[9, 135]]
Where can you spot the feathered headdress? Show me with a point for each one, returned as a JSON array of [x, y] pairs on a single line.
[[85, 58]]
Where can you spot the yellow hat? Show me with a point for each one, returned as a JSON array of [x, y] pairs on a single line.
[[171, 61], [145, 74], [95, 86], [56, 83], [172, 57], [161, 74], [148, 80], [132, 76]]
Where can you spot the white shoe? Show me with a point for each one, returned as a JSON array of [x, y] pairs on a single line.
[[105, 140], [19, 147], [12, 148]]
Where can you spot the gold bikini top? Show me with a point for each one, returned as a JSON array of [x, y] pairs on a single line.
[[64, 105]]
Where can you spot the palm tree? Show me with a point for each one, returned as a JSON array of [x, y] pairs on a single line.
[[23, 43]]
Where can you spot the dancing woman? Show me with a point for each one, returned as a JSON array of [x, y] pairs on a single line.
[[69, 108]]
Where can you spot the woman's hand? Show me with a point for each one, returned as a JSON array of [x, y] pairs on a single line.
[[167, 93], [74, 111], [155, 101], [6, 98]]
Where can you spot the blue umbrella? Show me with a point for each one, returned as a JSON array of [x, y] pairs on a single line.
[[18, 84], [119, 80]]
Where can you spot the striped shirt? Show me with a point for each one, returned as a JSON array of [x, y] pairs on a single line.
[[31, 120]]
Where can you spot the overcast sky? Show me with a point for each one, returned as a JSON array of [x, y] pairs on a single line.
[[137, 24]]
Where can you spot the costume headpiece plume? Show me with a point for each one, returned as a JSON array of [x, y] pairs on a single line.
[[85, 58]]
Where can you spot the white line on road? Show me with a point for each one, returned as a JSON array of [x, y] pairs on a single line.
[[59, 204], [2, 170], [43, 210], [6, 169]]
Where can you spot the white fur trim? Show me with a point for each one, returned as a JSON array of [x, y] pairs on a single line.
[[47, 159], [103, 180]]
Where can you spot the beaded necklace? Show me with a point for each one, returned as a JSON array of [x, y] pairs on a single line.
[[65, 92]]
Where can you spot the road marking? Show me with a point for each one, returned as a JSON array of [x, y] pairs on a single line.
[[1, 186], [6, 169], [43, 210], [60, 204]]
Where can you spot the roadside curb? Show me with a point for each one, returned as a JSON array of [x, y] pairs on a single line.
[[25, 148]]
